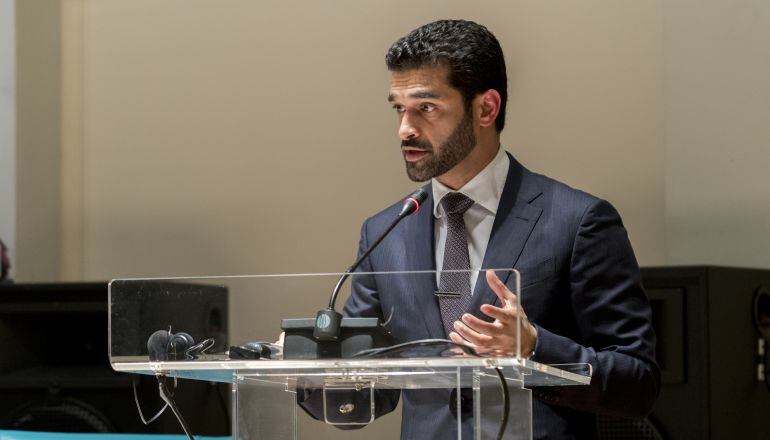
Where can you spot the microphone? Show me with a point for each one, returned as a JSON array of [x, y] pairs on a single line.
[[412, 203], [328, 321]]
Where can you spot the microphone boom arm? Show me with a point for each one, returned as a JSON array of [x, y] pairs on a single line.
[[328, 321], [333, 299]]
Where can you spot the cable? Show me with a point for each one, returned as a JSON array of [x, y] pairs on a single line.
[[168, 397], [375, 352], [199, 349], [139, 408], [506, 405]]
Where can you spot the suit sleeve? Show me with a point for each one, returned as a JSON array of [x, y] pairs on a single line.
[[613, 316]]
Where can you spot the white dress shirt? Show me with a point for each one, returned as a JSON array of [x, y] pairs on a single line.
[[484, 189]]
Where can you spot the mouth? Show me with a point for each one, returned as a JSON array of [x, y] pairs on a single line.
[[412, 154]]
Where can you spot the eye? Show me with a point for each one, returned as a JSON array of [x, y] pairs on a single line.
[[427, 107], [398, 108]]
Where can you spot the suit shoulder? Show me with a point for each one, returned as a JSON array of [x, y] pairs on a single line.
[[564, 197], [571, 207]]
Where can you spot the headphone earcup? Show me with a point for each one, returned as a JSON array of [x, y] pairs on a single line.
[[157, 345], [178, 343]]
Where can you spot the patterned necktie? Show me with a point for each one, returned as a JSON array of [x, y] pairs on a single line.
[[455, 258]]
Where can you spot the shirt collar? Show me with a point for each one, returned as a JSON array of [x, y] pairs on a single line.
[[484, 189]]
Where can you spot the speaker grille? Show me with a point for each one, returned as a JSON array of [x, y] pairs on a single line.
[[67, 415], [616, 428]]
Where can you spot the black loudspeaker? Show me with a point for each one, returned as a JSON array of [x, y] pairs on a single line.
[[707, 349], [55, 373]]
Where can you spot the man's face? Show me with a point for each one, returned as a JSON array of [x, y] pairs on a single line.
[[435, 129]]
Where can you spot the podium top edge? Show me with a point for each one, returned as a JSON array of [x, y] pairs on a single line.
[[348, 366]]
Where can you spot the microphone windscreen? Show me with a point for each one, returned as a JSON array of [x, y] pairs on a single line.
[[412, 202], [157, 346], [420, 195]]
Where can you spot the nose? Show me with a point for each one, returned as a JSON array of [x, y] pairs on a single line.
[[406, 130]]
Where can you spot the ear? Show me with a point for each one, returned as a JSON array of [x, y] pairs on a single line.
[[488, 104]]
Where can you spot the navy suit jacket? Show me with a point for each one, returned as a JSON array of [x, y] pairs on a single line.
[[581, 289]]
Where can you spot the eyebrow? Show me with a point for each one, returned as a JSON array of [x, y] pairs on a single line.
[[417, 95]]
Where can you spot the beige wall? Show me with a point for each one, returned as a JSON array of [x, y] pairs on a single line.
[[587, 104], [216, 138], [718, 132], [38, 236]]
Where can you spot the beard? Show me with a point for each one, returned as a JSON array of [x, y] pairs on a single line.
[[457, 147]]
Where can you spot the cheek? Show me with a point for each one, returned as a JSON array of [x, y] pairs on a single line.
[[441, 132]]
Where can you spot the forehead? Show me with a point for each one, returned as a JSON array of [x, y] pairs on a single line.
[[416, 82]]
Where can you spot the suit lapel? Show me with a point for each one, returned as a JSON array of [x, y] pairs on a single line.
[[420, 256], [514, 222]]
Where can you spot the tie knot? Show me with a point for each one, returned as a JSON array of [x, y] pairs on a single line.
[[456, 203]]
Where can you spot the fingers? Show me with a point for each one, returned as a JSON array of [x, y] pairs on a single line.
[[457, 339], [498, 338], [504, 315], [481, 326], [471, 335], [501, 290]]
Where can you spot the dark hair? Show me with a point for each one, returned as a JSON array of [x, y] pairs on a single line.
[[472, 54]]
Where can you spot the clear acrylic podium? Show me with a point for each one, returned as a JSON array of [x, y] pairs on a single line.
[[229, 311]]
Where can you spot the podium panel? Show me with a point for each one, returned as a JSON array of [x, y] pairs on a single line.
[[345, 382]]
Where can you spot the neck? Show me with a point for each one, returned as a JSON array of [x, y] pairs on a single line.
[[469, 167]]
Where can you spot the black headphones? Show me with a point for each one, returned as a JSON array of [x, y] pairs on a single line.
[[166, 346]]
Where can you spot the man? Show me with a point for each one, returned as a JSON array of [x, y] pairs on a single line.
[[582, 298]]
